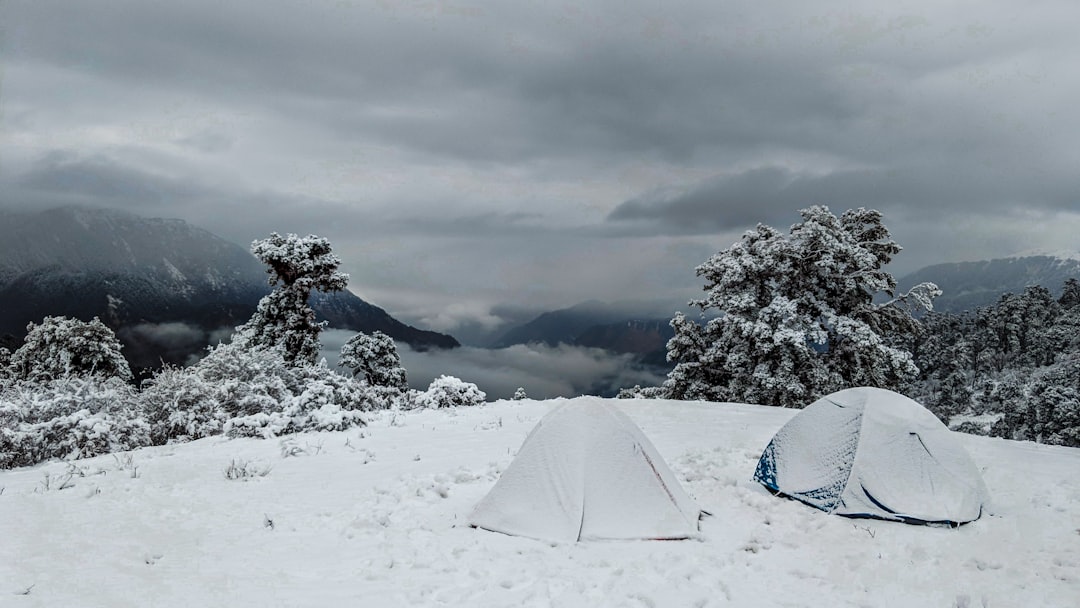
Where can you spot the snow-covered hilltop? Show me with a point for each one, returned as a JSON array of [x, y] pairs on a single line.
[[376, 517]]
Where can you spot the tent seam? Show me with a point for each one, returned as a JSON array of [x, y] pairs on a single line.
[[854, 457]]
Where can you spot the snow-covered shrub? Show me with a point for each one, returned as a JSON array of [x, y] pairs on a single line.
[[327, 402], [243, 470], [254, 392], [69, 417], [648, 392], [180, 405], [61, 347], [247, 380], [520, 394], [972, 427], [375, 358], [448, 391]]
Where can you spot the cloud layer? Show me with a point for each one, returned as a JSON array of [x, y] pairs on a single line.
[[543, 371], [463, 155]]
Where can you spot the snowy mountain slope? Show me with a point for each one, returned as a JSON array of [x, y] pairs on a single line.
[[968, 285], [137, 273], [374, 517], [639, 328]]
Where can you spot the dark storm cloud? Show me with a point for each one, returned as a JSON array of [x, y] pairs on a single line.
[[486, 85], [460, 154], [772, 195], [64, 177]]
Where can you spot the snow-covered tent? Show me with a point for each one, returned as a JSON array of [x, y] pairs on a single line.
[[869, 452], [586, 471]]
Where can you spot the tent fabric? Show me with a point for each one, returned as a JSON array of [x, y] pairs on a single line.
[[587, 472], [869, 452]]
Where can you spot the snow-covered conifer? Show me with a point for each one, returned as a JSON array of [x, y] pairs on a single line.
[[793, 316], [5, 367], [60, 347], [1070, 294], [1053, 413], [298, 265], [375, 358], [954, 393], [689, 379], [520, 394]]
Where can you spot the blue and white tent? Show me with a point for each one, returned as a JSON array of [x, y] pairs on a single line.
[[869, 452]]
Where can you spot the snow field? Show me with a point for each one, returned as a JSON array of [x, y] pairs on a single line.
[[376, 517]]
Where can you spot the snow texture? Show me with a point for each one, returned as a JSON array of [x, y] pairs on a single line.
[[376, 517], [586, 471], [869, 452]]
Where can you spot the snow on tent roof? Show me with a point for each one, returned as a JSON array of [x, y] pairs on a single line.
[[870, 452], [586, 471]]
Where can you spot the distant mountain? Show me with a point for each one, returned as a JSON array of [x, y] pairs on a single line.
[[631, 336], [647, 339], [968, 285], [560, 326], [163, 285], [637, 328]]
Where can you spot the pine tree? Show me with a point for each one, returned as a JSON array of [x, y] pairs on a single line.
[[62, 347], [1053, 412], [1070, 294], [5, 367], [689, 379], [374, 356], [298, 265], [794, 317], [954, 394], [519, 394]]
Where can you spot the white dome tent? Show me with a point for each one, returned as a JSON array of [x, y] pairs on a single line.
[[587, 472], [869, 452]]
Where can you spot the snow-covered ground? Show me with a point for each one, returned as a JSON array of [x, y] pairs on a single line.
[[376, 517]]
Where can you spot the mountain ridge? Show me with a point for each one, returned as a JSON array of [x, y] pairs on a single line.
[[637, 328], [135, 272], [968, 285]]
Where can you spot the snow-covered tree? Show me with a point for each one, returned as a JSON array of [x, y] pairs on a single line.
[[449, 391], [792, 317], [298, 265], [520, 394], [5, 367], [954, 392], [1070, 294], [1054, 407], [61, 347], [375, 358], [1051, 413], [690, 379]]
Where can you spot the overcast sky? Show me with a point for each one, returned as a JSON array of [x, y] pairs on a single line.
[[471, 158]]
